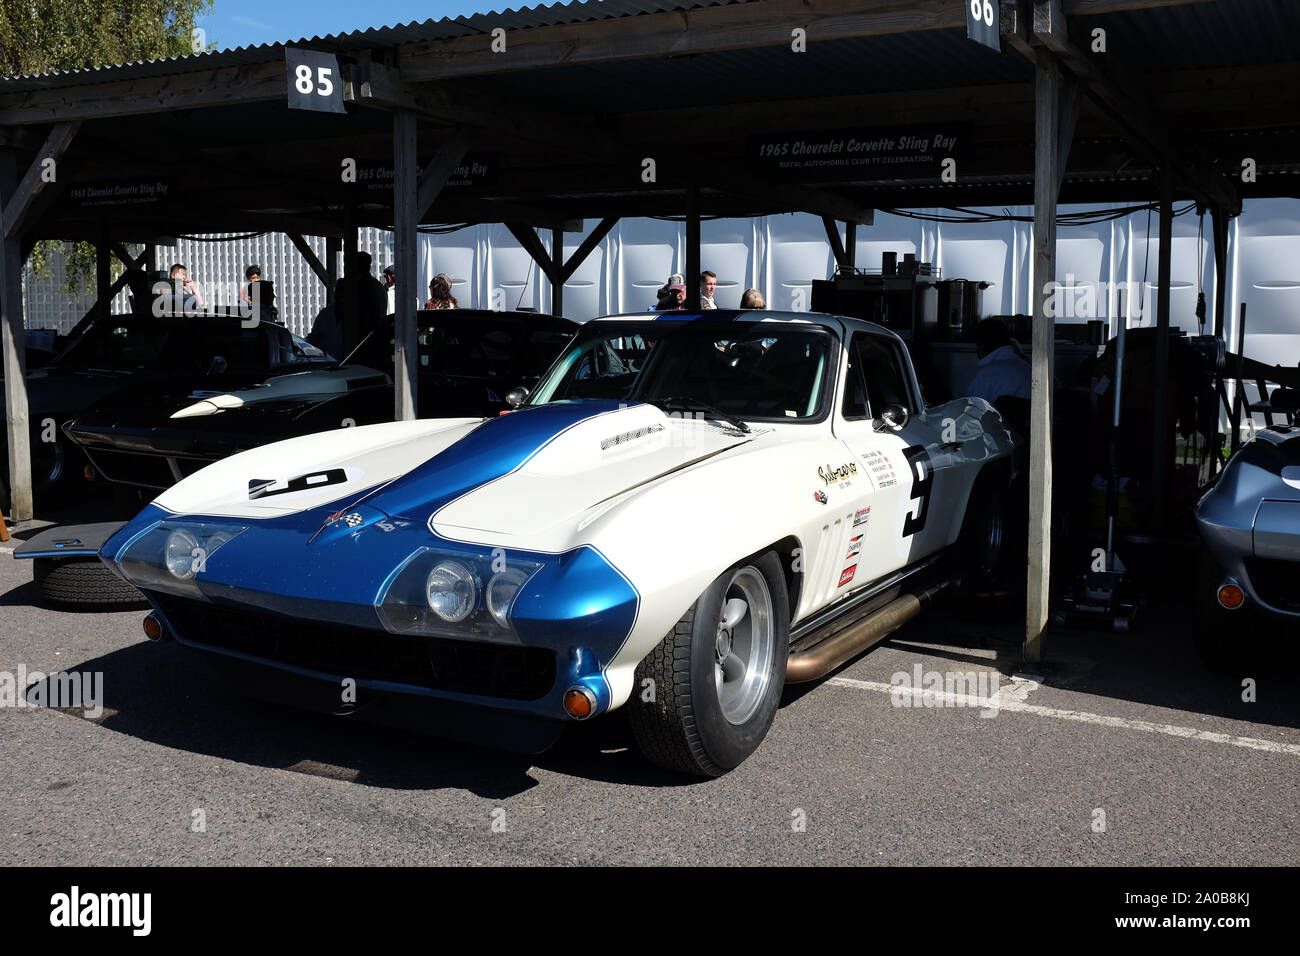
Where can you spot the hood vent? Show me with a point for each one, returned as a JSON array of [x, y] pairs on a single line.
[[614, 441]]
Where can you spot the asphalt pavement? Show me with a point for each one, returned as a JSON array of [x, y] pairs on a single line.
[[1118, 749]]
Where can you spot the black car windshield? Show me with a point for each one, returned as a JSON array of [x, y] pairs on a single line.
[[472, 346], [753, 370], [131, 343]]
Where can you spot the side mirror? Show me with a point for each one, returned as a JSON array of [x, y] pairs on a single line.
[[517, 396], [218, 366], [893, 417]]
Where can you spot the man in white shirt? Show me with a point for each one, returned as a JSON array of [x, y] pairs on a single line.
[[1001, 369], [708, 284]]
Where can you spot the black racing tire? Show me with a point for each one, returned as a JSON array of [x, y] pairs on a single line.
[[84, 584], [695, 723], [984, 544]]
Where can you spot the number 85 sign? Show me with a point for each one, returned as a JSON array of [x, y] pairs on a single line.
[[314, 81], [982, 23]]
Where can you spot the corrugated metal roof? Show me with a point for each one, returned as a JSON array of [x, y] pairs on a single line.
[[447, 28]]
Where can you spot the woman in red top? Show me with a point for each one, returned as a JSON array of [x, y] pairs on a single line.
[[440, 296]]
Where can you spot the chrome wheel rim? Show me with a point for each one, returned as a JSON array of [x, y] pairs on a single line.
[[743, 645]]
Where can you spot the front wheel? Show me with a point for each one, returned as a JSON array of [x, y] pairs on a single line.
[[718, 674]]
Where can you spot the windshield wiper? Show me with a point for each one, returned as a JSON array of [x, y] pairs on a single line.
[[687, 404]]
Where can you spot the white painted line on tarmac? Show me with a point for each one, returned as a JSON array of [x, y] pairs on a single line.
[[1120, 723]]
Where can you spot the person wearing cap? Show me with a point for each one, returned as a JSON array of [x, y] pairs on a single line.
[[390, 286], [672, 296]]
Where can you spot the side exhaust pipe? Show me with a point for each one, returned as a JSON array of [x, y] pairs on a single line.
[[842, 642]]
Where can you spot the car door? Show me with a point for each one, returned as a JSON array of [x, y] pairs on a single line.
[[903, 510]]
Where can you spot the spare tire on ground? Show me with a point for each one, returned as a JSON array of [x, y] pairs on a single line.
[[79, 583]]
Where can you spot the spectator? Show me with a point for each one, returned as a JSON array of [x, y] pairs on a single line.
[[440, 296], [251, 274], [708, 285], [390, 285], [359, 301], [752, 299], [260, 296], [1001, 372], [672, 296], [185, 288]]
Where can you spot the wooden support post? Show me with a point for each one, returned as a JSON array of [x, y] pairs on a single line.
[[585, 248], [1219, 227], [13, 354], [406, 356], [1047, 182], [851, 244], [1161, 447], [693, 267], [556, 273], [103, 280], [332, 249]]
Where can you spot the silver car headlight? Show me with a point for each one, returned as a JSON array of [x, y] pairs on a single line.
[[451, 591], [501, 592], [170, 555], [443, 593]]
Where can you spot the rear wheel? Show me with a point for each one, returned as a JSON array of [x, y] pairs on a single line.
[[984, 541], [717, 676]]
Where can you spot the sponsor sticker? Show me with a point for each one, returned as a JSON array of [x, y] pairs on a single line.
[[820, 496], [855, 545], [880, 470], [861, 517], [847, 574], [832, 474]]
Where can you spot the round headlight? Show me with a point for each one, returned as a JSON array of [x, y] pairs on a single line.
[[451, 592], [179, 554], [501, 591]]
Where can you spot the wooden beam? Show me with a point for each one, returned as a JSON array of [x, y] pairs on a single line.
[[438, 170], [313, 263], [406, 357], [375, 85], [837, 245], [704, 30], [1121, 99], [1047, 166], [100, 97], [13, 351], [527, 238], [585, 248], [36, 189]]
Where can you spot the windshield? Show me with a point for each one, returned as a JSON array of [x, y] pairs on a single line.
[[473, 346], [131, 343], [754, 370]]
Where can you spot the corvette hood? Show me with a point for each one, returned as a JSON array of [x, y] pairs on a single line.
[[573, 468]]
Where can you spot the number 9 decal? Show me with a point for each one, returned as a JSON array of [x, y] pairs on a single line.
[[922, 484]]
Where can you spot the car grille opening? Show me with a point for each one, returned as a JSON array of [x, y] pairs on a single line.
[[1275, 582], [466, 667]]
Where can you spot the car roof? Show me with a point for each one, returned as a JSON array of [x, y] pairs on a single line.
[[826, 320]]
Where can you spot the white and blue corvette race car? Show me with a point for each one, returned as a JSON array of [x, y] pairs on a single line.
[[688, 512]]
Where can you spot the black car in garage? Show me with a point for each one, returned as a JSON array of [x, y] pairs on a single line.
[[469, 360], [145, 359]]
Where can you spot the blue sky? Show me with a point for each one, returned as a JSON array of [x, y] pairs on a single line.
[[247, 23]]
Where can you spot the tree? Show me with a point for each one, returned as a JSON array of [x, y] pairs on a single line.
[[42, 36]]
